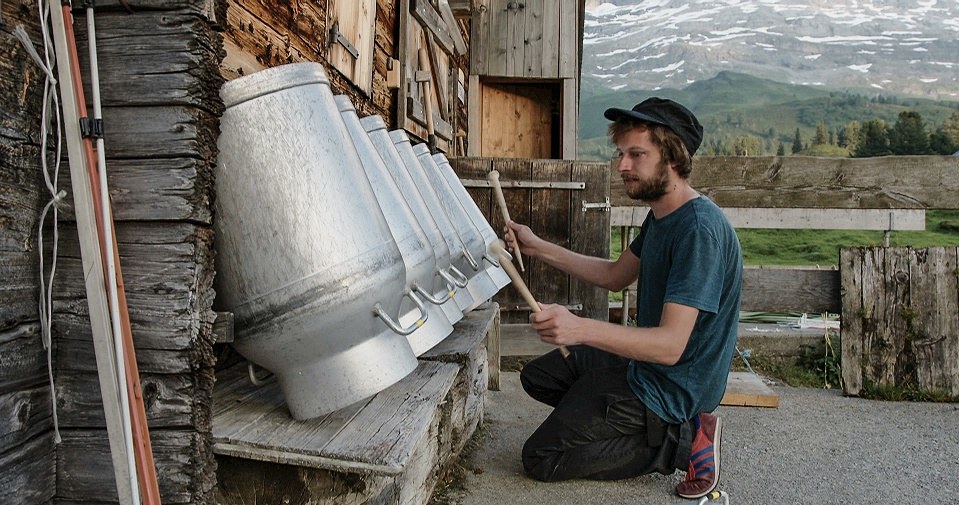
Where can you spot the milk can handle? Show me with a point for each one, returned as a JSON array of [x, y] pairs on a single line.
[[454, 275], [420, 321], [470, 259], [450, 291]]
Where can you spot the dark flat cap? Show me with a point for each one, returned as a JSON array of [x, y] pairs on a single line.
[[668, 113]]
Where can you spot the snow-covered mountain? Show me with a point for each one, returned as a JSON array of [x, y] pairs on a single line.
[[906, 47]]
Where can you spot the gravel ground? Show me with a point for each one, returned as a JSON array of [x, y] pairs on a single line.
[[816, 447]]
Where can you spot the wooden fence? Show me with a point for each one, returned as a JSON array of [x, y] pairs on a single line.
[[898, 305]]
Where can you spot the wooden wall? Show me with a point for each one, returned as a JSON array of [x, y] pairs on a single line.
[[260, 35], [159, 78], [27, 472]]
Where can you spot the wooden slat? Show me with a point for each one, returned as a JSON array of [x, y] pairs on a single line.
[[24, 414], [589, 234], [889, 182], [479, 41], [569, 37], [852, 316], [29, 472], [179, 42], [551, 220], [24, 360], [550, 40], [934, 284], [569, 118], [786, 289], [498, 44], [80, 464], [516, 20], [803, 219], [377, 435], [744, 389], [519, 203]]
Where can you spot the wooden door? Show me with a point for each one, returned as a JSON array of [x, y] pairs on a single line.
[[519, 120], [549, 196]]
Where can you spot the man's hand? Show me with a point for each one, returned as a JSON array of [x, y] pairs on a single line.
[[556, 325], [514, 232]]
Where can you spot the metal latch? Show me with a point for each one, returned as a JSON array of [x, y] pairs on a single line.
[[603, 206], [337, 36]]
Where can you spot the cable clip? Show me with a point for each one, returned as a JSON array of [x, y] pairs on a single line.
[[91, 128]]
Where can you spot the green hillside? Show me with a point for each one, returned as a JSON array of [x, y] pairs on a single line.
[[733, 105]]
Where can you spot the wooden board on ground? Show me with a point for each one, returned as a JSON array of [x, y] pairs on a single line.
[[742, 388], [745, 389]]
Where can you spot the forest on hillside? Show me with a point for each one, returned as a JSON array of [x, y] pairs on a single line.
[[748, 116]]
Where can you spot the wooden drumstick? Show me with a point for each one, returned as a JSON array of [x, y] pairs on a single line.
[[493, 178], [498, 250]]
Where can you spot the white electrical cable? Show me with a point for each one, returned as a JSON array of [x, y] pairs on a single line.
[[51, 101]]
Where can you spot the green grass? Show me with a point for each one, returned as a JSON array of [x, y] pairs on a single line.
[[821, 247]]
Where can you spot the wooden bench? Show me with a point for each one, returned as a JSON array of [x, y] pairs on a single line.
[[390, 448]]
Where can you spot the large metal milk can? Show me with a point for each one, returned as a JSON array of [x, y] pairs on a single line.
[[448, 278], [472, 238], [414, 247], [461, 257], [305, 259], [442, 164]]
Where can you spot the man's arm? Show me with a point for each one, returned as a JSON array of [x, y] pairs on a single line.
[[603, 272], [663, 344]]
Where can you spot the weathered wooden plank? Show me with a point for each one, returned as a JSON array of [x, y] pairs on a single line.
[[154, 57], [22, 194], [480, 39], [846, 183], [516, 42], [159, 189], [549, 66], [171, 132], [934, 335], [378, 435], [168, 275], [466, 347], [23, 360], [569, 117], [804, 219], [791, 290], [24, 414], [853, 316], [786, 289], [500, 38], [589, 234], [264, 34], [550, 218], [519, 204], [570, 36], [29, 472], [171, 400], [907, 321], [177, 455], [532, 39], [744, 389]]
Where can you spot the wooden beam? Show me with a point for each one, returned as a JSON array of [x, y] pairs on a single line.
[[795, 218], [888, 182]]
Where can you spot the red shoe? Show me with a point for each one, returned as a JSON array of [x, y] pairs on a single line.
[[703, 473]]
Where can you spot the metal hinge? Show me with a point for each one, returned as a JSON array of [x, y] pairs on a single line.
[[337, 36], [603, 206]]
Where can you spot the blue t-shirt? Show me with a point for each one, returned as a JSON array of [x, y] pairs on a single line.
[[690, 257]]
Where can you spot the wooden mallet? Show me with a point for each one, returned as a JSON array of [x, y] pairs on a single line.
[[498, 250], [493, 178]]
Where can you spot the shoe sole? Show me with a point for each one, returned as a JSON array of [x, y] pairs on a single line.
[[716, 450]]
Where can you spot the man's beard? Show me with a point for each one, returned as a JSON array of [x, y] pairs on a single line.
[[652, 189]]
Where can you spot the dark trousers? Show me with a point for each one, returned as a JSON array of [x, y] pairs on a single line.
[[598, 429]]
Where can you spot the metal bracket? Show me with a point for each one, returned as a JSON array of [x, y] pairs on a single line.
[[603, 206], [337, 36], [483, 183]]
